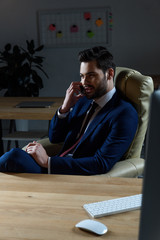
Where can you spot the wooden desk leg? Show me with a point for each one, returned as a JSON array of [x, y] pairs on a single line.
[[1, 141]]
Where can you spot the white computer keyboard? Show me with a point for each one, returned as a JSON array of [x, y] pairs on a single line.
[[113, 206]]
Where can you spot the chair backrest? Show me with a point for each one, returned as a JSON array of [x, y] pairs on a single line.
[[137, 89]]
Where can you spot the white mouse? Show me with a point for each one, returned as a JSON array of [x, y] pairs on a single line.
[[92, 226]]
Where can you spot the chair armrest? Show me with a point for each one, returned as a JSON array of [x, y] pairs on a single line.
[[127, 168]]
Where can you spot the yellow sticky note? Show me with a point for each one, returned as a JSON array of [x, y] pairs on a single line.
[[59, 34]]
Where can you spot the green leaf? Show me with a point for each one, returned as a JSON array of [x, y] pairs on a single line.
[[30, 47], [8, 47], [42, 71], [39, 48], [38, 59]]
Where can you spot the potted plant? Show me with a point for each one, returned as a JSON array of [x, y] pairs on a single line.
[[19, 70]]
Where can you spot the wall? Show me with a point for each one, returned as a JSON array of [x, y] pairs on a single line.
[[135, 36]]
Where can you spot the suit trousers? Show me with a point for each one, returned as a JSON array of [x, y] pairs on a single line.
[[19, 161]]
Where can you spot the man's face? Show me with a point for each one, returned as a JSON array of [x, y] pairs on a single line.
[[93, 80]]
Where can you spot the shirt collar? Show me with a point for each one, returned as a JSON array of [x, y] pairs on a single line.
[[105, 98]]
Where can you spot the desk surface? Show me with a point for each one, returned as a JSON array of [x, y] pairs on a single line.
[[9, 111], [35, 206]]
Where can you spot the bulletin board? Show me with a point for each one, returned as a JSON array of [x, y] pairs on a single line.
[[75, 27]]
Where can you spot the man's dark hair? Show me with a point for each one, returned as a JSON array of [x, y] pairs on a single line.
[[99, 54]]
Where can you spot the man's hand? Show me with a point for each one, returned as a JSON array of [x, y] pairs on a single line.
[[38, 153], [73, 94]]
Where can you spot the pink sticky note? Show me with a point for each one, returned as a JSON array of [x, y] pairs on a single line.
[[74, 28]]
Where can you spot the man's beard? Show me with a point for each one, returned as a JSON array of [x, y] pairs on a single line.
[[100, 91]]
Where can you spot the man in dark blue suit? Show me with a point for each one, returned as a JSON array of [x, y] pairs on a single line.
[[92, 149]]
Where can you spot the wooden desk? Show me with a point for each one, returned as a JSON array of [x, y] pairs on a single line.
[[8, 110], [35, 206]]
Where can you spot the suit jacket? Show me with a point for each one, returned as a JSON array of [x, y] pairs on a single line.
[[104, 143]]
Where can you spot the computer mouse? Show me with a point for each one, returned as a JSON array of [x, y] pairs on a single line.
[[92, 226]]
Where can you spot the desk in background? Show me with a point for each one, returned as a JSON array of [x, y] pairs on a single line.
[[9, 111], [36, 206]]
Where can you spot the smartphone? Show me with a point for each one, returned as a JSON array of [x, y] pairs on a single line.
[[82, 90]]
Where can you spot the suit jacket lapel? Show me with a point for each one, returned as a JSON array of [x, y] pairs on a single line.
[[100, 116]]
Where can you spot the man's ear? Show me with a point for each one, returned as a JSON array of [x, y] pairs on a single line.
[[110, 73]]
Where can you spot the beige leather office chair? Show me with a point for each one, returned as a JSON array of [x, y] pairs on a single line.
[[137, 88]]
